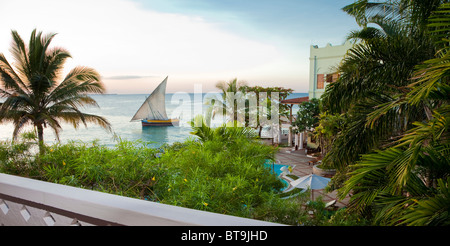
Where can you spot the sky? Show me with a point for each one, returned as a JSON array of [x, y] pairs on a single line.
[[135, 44]]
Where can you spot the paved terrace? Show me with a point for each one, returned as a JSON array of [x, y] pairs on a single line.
[[299, 161]]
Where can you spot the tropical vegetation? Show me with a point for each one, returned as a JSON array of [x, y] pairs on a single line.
[[37, 94], [307, 115], [383, 125], [227, 177], [222, 171], [264, 97], [392, 98], [230, 104], [250, 106]]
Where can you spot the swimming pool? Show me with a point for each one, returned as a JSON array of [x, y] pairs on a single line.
[[276, 168]]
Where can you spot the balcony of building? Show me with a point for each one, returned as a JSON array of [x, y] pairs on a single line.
[[25, 201]]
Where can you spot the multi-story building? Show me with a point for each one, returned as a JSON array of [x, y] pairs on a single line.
[[323, 65], [323, 71]]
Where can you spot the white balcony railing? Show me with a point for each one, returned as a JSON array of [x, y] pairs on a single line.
[[26, 201]]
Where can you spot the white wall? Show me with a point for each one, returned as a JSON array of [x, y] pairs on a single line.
[[25, 201], [325, 60]]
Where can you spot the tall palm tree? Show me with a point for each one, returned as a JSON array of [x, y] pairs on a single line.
[[36, 93], [233, 96]]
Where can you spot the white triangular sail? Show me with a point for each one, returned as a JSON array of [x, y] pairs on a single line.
[[154, 107]]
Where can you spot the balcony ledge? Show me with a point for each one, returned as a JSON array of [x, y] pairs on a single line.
[[25, 201]]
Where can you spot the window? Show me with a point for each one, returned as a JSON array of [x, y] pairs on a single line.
[[332, 77], [320, 81], [335, 77]]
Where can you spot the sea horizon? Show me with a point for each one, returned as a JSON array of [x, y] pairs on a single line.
[[118, 109]]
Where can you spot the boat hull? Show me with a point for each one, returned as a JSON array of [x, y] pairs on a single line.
[[169, 122]]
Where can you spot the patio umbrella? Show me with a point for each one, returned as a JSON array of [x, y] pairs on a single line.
[[312, 181]]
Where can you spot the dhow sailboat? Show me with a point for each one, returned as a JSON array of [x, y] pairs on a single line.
[[153, 110]]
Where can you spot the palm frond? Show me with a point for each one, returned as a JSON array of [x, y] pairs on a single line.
[[11, 81], [432, 211], [54, 63], [389, 208], [75, 117], [19, 52], [80, 80], [431, 78], [20, 120], [364, 11], [439, 23]]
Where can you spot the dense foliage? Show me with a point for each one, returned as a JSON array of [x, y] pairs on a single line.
[[384, 127], [393, 95], [307, 115], [214, 175]]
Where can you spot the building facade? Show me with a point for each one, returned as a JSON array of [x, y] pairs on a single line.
[[323, 65]]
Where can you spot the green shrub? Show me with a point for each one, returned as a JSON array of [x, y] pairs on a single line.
[[17, 158], [227, 177], [219, 177], [128, 169]]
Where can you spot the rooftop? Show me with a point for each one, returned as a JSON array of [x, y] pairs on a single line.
[[297, 100]]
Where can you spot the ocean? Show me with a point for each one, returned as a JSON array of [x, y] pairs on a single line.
[[118, 109]]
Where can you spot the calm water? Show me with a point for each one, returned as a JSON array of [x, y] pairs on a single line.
[[119, 109]]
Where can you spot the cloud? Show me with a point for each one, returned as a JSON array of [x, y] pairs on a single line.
[[118, 36]]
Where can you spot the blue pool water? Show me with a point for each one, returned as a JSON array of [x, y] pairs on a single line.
[[276, 168]]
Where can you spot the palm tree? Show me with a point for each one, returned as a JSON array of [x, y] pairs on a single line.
[[418, 165], [36, 93], [266, 105], [400, 113], [374, 77], [233, 95]]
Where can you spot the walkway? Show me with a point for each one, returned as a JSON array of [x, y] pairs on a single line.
[[299, 159]]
